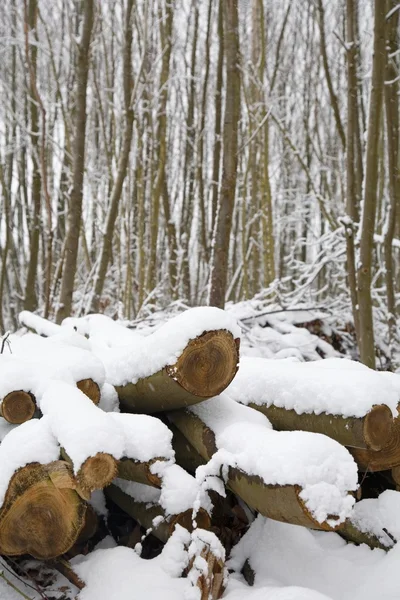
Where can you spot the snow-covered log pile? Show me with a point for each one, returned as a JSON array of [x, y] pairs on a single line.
[[224, 440]]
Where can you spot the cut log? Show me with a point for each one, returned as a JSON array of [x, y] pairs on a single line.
[[387, 458], [279, 502], [140, 472], [144, 513], [97, 472], [207, 565], [204, 369], [372, 431], [351, 533], [42, 515], [90, 388], [18, 407]]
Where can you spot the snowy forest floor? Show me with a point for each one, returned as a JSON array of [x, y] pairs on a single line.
[[289, 562]]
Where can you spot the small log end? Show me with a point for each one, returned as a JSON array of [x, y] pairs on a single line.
[[17, 407]]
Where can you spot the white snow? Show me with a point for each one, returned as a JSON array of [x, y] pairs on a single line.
[[65, 357], [81, 428], [284, 556], [145, 437], [32, 441], [101, 329], [19, 374], [109, 401], [120, 574], [374, 515], [148, 355], [322, 467], [38, 324], [179, 492], [334, 386]]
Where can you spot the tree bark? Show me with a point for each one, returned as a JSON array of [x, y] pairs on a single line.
[[75, 210], [364, 273], [372, 431], [392, 136], [219, 261]]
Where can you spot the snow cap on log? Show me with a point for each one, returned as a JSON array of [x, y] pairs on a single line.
[[323, 470], [32, 441], [334, 386], [62, 357], [82, 429], [148, 355]]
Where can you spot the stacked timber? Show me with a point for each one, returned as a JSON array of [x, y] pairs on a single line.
[[218, 445]]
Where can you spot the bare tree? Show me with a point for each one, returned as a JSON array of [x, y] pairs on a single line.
[[75, 208], [219, 266]]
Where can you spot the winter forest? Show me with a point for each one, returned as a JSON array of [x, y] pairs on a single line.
[[199, 299]]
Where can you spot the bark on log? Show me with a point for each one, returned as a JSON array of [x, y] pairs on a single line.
[[351, 533], [278, 502], [140, 472], [372, 431], [17, 407], [186, 456], [144, 513], [387, 458], [205, 368], [42, 515]]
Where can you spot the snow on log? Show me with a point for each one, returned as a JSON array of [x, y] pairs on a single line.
[[146, 440], [295, 477], [162, 509], [19, 384], [374, 521], [91, 438], [206, 569], [101, 330], [191, 357], [38, 324], [185, 455], [66, 357], [340, 398]]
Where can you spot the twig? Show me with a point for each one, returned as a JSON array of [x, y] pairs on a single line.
[[4, 340], [274, 312], [14, 587], [389, 535]]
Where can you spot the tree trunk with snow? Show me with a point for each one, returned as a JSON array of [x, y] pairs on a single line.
[[203, 370]]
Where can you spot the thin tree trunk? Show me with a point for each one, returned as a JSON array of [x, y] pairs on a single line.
[[230, 157], [106, 248], [364, 272], [392, 135], [75, 209]]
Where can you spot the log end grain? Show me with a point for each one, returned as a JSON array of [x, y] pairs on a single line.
[[208, 364], [42, 515], [378, 427], [17, 407], [97, 472], [90, 389]]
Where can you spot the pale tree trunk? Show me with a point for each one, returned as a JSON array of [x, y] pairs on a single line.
[[219, 265], [31, 301], [161, 181], [364, 272], [106, 248], [218, 118], [392, 136], [75, 209], [352, 201]]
